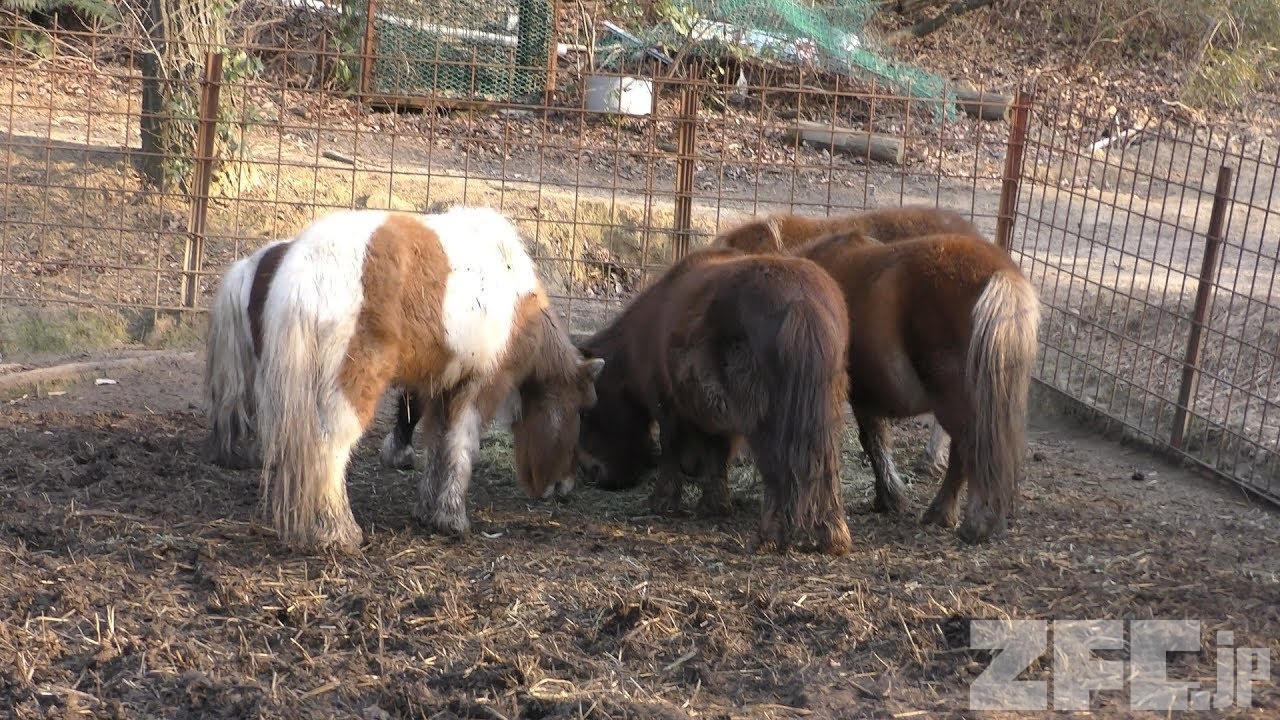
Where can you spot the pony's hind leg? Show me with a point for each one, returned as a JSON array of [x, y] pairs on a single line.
[[397, 446], [936, 450], [713, 453], [943, 509], [449, 451], [877, 441]]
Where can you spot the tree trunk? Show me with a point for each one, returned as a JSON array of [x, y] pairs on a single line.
[[180, 33]]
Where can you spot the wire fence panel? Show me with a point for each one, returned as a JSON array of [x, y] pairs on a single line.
[[1115, 231], [597, 192], [610, 176]]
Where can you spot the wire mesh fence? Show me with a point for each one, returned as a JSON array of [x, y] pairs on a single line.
[[1154, 246], [609, 186], [601, 194]]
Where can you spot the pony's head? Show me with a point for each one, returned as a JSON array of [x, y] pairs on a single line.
[[545, 427], [615, 443]]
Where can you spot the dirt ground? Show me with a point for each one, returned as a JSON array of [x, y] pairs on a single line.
[[137, 581]]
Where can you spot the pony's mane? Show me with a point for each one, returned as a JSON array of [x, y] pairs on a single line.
[[827, 239], [607, 339], [551, 357]]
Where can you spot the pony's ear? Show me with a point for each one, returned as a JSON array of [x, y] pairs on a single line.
[[588, 372], [591, 369]]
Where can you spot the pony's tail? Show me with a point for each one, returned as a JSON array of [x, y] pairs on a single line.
[[805, 421], [1002, 349], [228, 369], [306, 429]]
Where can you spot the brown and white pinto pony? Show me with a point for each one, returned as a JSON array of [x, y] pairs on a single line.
[[447, 305], [945, 324], [726, 344], [781, 232]]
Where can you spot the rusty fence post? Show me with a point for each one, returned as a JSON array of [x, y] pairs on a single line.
[[1012, 178], [193, 255], [686, 168], [1204, 296], [366, 52]]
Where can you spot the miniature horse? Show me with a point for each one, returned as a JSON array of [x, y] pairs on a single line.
[[781, 232], [725, 345], [948, 324], [447, 305]]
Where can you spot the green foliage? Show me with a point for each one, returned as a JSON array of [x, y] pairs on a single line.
[[231, 120], [33, 39], [100, 11]]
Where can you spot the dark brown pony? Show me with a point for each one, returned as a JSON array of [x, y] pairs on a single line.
[[782, 232], [945, 324], [724, 345]]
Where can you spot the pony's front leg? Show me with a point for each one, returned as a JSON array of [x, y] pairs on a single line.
[[397, 446], [442, 494], [874, 434], [669, 484]]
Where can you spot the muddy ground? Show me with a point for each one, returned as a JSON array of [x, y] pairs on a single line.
[[136, 581]]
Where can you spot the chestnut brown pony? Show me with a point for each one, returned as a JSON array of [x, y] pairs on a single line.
[[784, 231], [945, 324], [723, 345], [781, 232]]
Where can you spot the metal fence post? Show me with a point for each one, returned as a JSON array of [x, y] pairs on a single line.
[[193, 255], [367, 50], [686, 167], [1204, 295], [1013, 169]]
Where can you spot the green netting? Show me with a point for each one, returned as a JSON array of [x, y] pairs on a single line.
[[828, 35], [458, 49]]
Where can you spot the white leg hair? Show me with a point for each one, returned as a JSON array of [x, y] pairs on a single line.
[[449, 449], [306, 424]]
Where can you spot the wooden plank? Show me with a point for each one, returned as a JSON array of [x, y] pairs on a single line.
[[881, 148]]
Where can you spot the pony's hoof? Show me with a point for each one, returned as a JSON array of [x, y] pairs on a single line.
[[836, 540], [340, 537], [769, 546], [664, 505], [233, 459], [714, 506], [940, 517], [978, 531], [394, 455], [455, 525], [889, 504]]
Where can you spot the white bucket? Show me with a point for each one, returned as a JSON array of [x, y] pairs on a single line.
[[621, 94]]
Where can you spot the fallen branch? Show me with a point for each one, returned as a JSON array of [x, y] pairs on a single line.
[[881, 148], [925, 27]]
